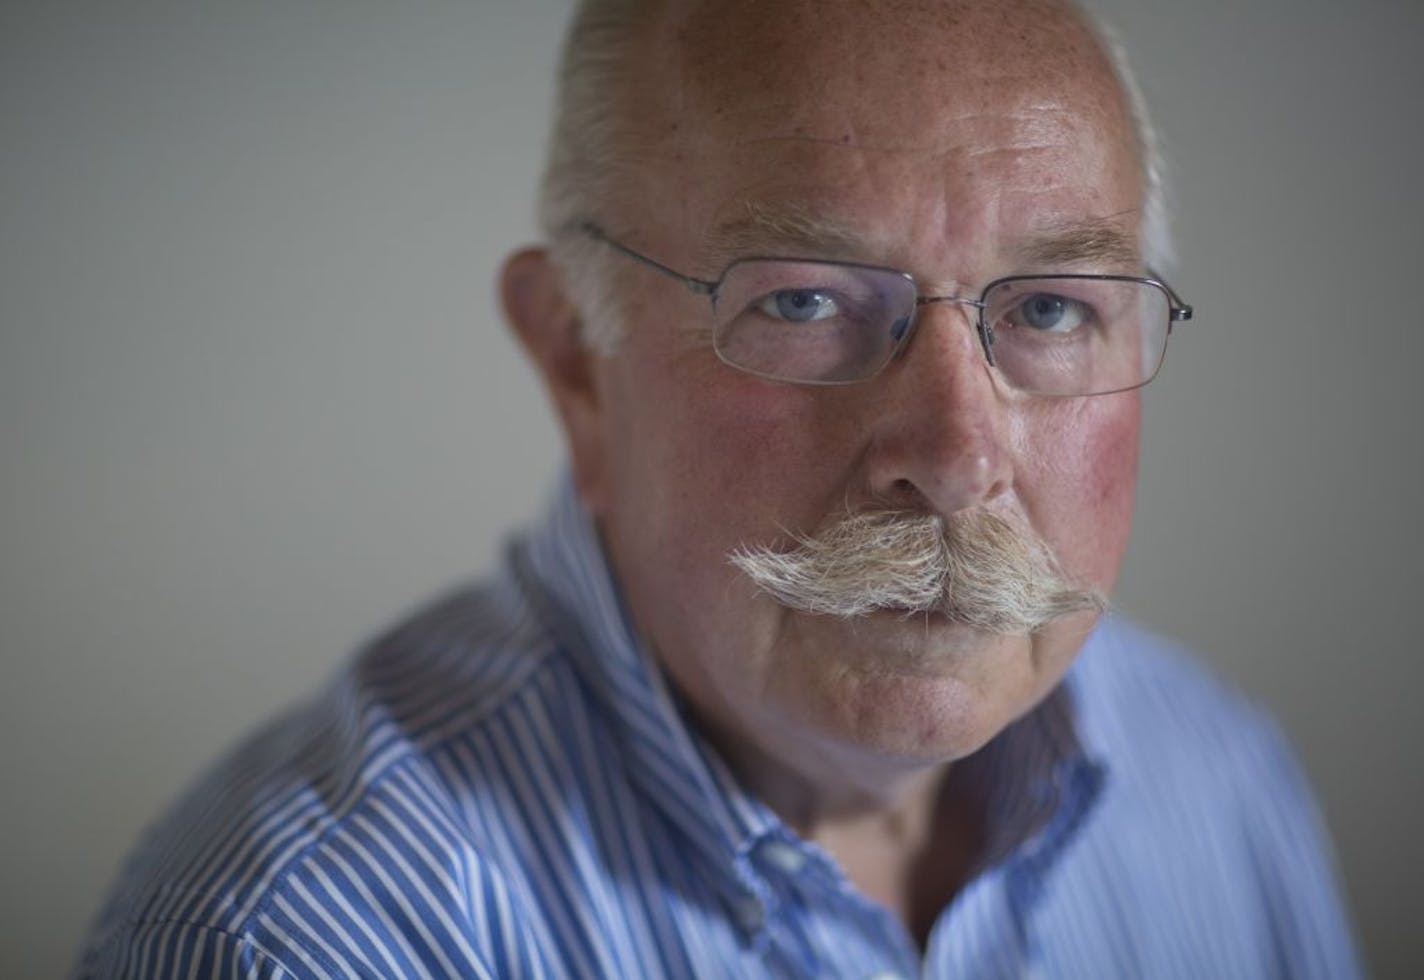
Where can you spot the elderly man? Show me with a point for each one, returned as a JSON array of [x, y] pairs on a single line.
[[844, 315]]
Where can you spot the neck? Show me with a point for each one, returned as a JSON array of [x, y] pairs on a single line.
[[907, 836], [915, 859]]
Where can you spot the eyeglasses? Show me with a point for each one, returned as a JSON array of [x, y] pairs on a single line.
[[811, 321]]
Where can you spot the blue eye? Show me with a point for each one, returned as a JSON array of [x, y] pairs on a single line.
[[1051, 313], [799, 305]]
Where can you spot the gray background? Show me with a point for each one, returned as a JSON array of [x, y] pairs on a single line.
[[255, 398]]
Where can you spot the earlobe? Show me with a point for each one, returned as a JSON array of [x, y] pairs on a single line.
[[538, 309]]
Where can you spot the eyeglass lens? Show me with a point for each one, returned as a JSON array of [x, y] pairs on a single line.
[[831, 323]]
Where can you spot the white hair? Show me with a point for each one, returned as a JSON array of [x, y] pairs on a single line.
[[592, 161], [1156, 226], [974, 568]]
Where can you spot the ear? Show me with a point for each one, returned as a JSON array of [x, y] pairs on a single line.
[[541, 314]]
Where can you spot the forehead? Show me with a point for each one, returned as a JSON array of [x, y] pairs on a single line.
[[831, 99], [906, 57]]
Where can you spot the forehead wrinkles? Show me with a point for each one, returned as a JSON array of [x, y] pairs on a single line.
[[1033, 125], [948, 183], [1005, 85]]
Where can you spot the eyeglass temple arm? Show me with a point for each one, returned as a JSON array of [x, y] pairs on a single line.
[[1180, 310], [700, 286]]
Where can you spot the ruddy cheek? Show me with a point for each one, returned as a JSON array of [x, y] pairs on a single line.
[[763, 435], [1076, 477], [1109, 482]]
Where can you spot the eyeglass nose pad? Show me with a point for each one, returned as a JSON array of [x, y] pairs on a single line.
[[900, 332], [901, 327], [986, 338]]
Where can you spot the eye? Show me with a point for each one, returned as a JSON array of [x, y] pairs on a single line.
[[799, 305], [1051, 313]]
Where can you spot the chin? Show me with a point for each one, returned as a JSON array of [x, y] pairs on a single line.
[[919, 687], [931, 699], [921, 721]]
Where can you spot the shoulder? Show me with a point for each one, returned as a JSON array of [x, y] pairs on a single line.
[[1207, 820], [343, 803], [1167, 726], [1137, 692]]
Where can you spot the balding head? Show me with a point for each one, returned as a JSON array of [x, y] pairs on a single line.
[[644, 85]]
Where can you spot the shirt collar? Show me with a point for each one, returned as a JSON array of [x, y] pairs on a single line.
[[563, 568], [1038, 780]]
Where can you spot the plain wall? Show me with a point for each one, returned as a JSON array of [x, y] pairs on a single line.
[[256, 400]]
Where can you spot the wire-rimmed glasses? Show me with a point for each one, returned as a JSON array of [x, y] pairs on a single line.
[[813, 321]]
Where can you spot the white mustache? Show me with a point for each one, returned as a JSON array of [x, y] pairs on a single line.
[[975, 568]]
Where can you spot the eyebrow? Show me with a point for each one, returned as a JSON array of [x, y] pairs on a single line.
[[1097, 242], [793, 230], [790, 228]]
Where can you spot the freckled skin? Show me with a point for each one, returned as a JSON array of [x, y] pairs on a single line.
[[955, 135]]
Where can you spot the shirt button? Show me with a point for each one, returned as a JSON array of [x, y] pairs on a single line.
[[749, 914], [783, 857]]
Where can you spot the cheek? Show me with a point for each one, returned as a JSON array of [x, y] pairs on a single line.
[[740, 451], [702, 460], [1078, 481], [697, 464]]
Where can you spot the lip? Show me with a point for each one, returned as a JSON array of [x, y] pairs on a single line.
[[900, 625], [930, 617]]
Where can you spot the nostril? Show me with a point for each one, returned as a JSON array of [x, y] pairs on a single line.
[[905, 494]]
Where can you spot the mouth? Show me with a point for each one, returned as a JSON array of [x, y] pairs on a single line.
[[914, 642], [931, 623]]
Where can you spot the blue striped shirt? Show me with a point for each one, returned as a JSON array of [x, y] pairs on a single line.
[[504, 787]]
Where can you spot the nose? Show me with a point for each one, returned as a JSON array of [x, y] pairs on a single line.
[[939, 433]]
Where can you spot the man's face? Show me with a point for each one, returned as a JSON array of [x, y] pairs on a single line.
[[959, 143]]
